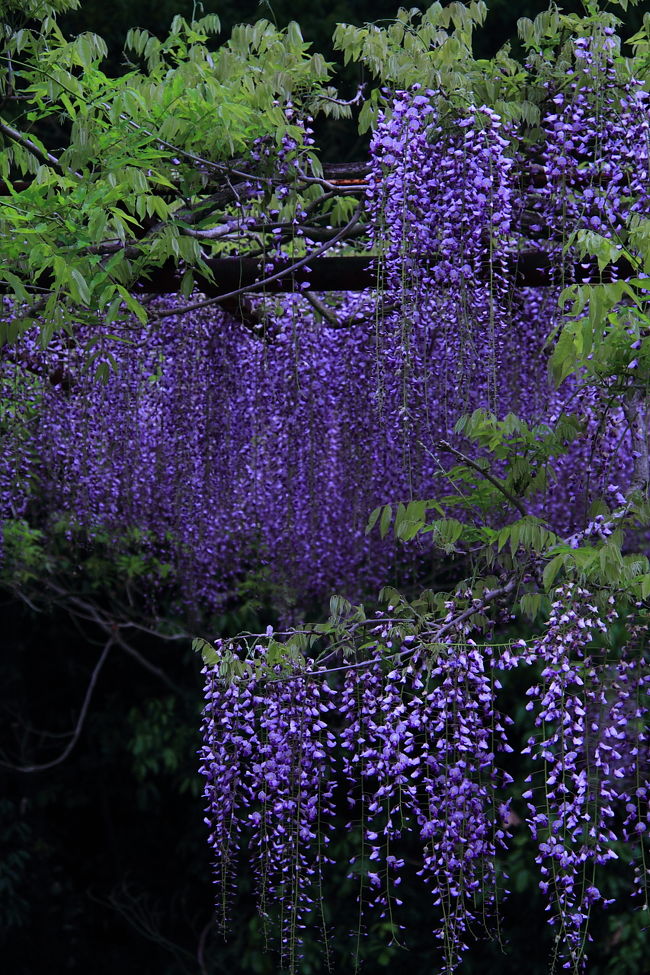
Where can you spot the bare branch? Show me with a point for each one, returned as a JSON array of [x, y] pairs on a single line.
[[323, 310], [132, 652], [352, 320], [110, 626], [81, 609], [80, 721], [254, 286]]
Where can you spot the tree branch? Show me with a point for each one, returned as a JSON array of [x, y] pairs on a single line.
[[132, 652], [81, 609], [330, 316], [45, 157], [477, 607]]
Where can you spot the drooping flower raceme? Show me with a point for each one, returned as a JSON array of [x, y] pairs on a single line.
[[589, 709], [415, 736], [267, 761], [460, 815], [418, 746]]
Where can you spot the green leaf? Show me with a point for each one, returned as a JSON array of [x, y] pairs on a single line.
[[530, 604], [81, 292], [372, 520], [552, 569], [210, 656], [132, 304], [16, 284], [386, 517]]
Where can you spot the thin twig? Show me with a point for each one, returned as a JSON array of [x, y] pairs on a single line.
[[82, 609], [434, 636], [132, 652], [476, 607], [519, 505], [352, 320]]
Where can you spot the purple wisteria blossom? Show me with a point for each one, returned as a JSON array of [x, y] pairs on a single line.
[[225, 452], [589, 712], [267, 762]]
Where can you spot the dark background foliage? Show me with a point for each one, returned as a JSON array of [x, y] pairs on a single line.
[[103, 860], [316, 18]]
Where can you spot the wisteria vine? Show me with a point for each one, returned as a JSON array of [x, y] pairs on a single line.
[[247, 451], [222, 451]]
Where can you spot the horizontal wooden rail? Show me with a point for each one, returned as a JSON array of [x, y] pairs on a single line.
[[530, 269]]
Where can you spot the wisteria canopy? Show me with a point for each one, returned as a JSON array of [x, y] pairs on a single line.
[[230, 368]]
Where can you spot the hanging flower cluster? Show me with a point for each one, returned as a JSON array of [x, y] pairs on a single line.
[[589, 714], [441, 194], [418, 749], [597, 153], [415, 736], [228, 733], [267, 762], [224, 452], [461, 821], [381, 763]]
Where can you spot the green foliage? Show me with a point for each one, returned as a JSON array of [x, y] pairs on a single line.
[[479, 484], [15, 838], [629, 930], [91, 563], [160, 744], [139, 151], [607, 335], [432, 49], [23, 554], [281, 658], [142, 150], [515, 464]]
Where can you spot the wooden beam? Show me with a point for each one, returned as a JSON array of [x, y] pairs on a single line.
[[530, 269]]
